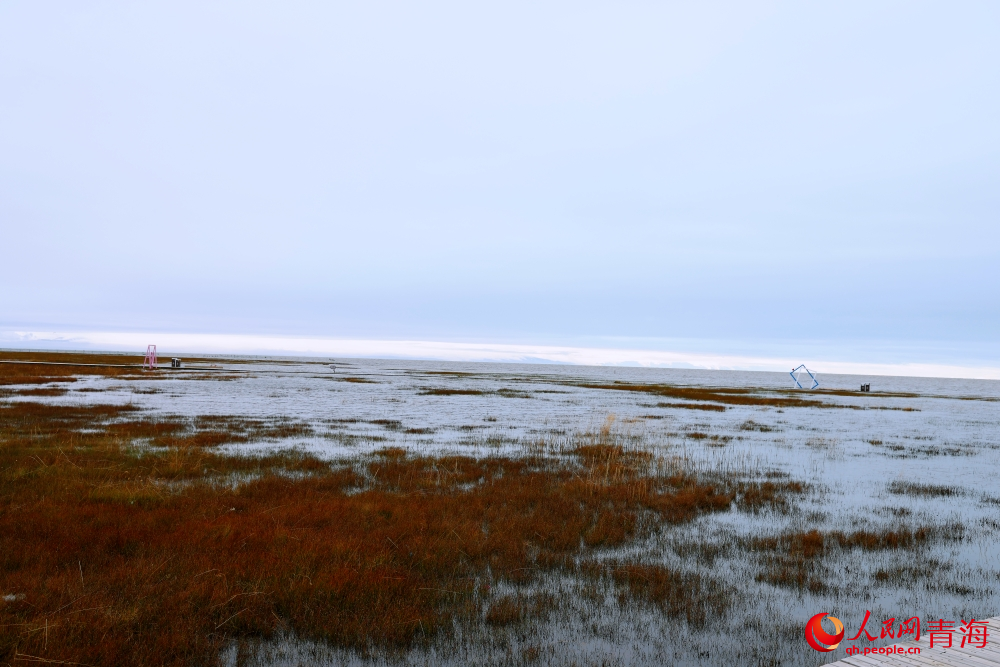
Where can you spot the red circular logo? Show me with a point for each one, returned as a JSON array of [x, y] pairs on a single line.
[[816, 634]]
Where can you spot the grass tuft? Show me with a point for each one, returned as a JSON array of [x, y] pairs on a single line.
[[437, 391], [922, 490]]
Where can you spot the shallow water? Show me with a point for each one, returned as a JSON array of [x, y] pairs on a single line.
[[946, 435]]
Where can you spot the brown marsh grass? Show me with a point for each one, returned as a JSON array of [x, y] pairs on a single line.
[[795, 559], [710, 407], [503, 392], [438, 391], [711, 397], [864, 394], [690, 596], [127, 540], [922, 490], [46, 367], [40, 391], [758, 496], [751, 425], [725, 395], [24, 372], [519, 607], [512, 393]]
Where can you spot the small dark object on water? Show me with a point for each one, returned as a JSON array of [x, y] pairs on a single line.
[[866, 387], [175, 363]]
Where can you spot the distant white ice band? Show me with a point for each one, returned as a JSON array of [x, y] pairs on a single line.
[[185, 343]]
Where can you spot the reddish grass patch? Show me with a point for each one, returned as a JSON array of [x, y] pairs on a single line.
[[511, 609], [45, 367], [794, 560], [711, 407], [48, 370], [757, 496], [727, 395], [41, 391], [451, 392], [863, 394], [681, 595], [120, 564]]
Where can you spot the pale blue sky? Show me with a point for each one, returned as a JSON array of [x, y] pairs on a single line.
[[772, 175]]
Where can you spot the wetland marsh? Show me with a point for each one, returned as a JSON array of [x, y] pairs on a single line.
[[296, 511]]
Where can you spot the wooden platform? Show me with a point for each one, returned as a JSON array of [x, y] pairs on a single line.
[[937, 656]]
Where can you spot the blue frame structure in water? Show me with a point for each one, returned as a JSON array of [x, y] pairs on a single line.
[[812, 377]]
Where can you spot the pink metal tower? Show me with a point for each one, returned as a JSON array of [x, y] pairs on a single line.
[[150, 360]]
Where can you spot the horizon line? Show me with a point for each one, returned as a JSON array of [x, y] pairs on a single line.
[[296, 346]]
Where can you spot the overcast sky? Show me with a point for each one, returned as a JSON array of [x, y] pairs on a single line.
[[760, 174]]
